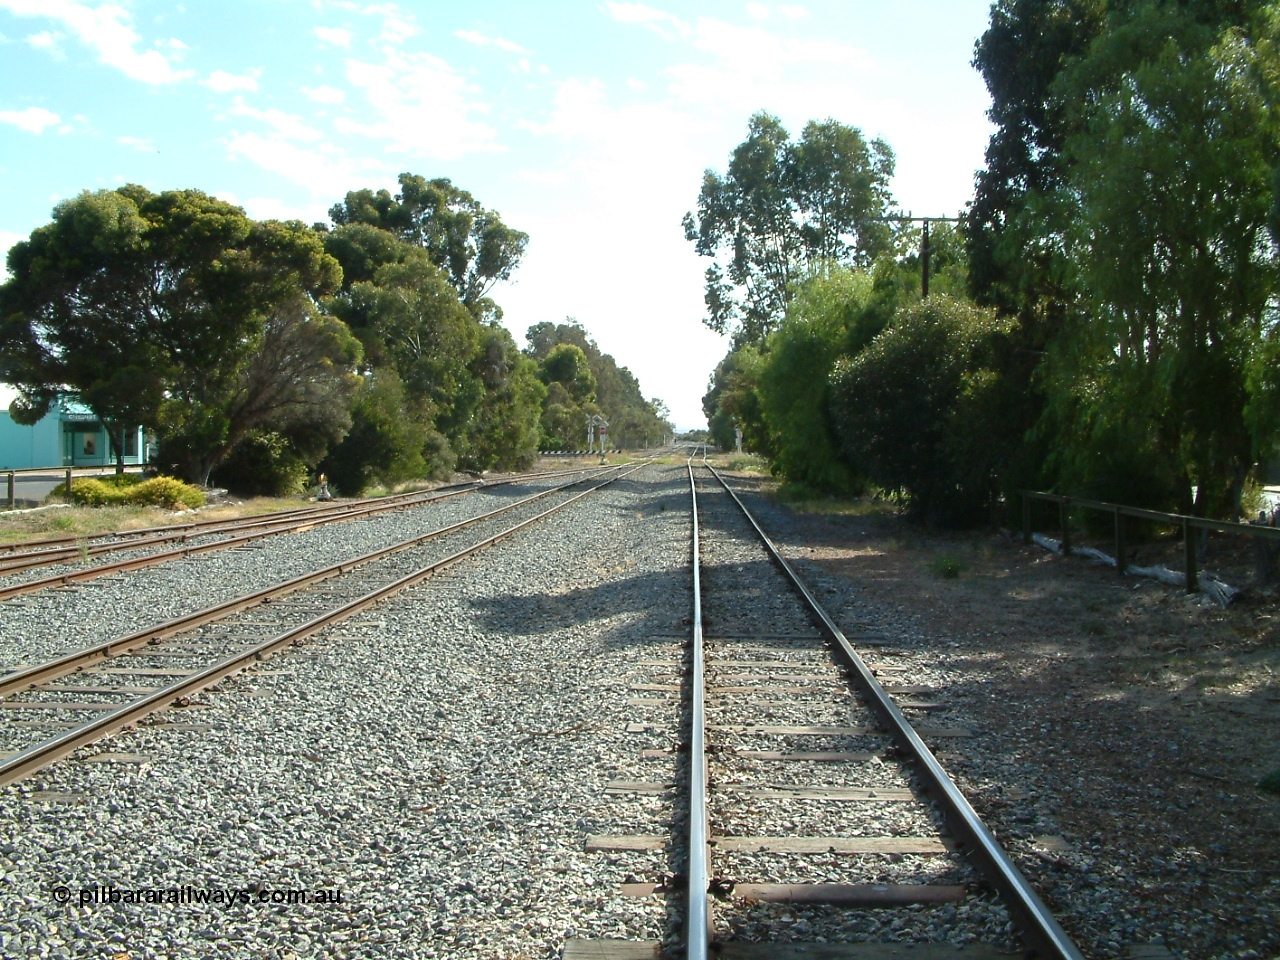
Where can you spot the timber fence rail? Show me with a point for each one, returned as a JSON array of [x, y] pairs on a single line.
[[1186, 523]]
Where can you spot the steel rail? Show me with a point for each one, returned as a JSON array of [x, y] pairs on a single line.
[[79, 659], [1040, 931], [28, 761], [21, 556], [153, 559], [697, 914]]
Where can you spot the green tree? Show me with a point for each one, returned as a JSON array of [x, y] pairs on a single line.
[[385, 443], [471, 244], [361, 248], [633, 420], [1163, 216], [912, 408], [1013, 263], [167, 310], [783, 208], [793, 385], [732, 402], [504, 432], [567, 365]]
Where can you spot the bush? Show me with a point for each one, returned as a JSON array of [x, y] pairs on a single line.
[[947, 567], [914, 409], [263, 464], [131, 489]]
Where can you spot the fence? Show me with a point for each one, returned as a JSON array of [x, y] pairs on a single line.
[[1120, 512]]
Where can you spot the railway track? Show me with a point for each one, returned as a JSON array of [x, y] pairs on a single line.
[[809, 814], [123, 681], [146, 546]]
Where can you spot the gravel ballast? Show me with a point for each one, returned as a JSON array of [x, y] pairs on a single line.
[[436, 764]]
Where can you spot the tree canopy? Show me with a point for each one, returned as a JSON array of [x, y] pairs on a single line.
[[176, 311], [582, 380], [472, 245], [783, 208]]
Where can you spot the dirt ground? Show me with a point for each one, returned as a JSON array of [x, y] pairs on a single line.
[[1128, 718]]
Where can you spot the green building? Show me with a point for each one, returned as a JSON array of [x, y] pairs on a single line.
[[69, 435]]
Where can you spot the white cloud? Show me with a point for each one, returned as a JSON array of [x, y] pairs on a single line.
[[397, 27], [286, 125], [545, 178], [142, 146], [272, 208], [333, 36], [757, 11], [481, 40], [419, 104], [320, 168], [397, 24], [32, 119], [108, 30], [324, 94], [666, 24], [756, 48], [222, 82], [173, 43], [45, 41], [793, 13]]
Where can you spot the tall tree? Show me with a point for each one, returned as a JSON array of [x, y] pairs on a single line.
[[155, 309], [471, 244], [1163, 214], [781, 209]]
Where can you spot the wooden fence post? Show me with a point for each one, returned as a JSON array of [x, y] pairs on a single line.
[[1189, 545], [1122, 548], [12, 501], [1026, 518], [68, 484], [1065, 513]]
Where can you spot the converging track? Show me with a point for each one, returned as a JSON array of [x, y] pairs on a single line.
[[197, 650], [210, 535], [625, 734]]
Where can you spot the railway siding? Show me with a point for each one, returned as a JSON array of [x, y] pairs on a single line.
[[437, 761]]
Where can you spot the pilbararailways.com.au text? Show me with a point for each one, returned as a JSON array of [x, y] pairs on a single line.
[[220, 896]]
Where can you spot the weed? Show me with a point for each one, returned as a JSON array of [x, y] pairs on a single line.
[[947, 567], [749, 464], [1271, 782]]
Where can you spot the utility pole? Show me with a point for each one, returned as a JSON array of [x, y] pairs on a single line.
[[924, 244]]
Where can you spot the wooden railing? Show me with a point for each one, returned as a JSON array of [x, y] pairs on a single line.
[[1186, 523]]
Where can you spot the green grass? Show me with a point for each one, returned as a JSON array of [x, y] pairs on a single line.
[[748, 463], [947, 566], [95, 521]]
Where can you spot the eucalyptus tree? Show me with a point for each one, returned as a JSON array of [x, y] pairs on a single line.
[[165, 310], [781, 209], [1163, 215], [474, 247]]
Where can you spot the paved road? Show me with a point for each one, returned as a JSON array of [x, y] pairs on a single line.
[[30, 487]]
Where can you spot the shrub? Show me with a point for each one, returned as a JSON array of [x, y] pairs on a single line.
[[263, 464], [131, 489], [947, 567], [1271, 782], [914, 409]]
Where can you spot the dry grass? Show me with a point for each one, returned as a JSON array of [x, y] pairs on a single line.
[[26, 526]]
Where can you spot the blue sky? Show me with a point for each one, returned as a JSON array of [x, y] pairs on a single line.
[[586, 124]]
